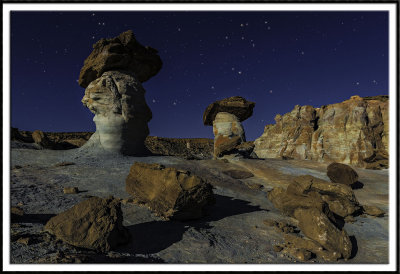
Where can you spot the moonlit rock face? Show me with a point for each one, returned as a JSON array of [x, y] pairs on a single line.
[[121, 113], [349, 132]]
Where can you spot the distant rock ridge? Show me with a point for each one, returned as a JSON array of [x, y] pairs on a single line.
[[354, 132]]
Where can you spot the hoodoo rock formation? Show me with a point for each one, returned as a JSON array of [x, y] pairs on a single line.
[[226, 116], [112, 76], [352, 132]]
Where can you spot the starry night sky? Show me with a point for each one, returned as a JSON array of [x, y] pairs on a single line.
[[276, 59]]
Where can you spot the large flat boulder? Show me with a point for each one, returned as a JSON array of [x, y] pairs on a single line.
[[95, 223], [235, 105], [123, 52], [171, 193]]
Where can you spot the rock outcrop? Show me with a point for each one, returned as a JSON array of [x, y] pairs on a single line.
[[112, 76], [171, 193], [349, 132], [123, 52], [226, 116], [95, 223]]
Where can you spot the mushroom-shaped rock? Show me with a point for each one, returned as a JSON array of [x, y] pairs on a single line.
[[121, 52], [235, 105], [225, 116], [117, 99]]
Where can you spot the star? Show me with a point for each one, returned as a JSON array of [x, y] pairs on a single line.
[[268, 28], [241, 25], [239, 72], [357, 83], [270, 91], [375, 82], [233, 68], [242, 38], [174, 103], [226, 37], [93, 14], [154, 101], [179, 29]]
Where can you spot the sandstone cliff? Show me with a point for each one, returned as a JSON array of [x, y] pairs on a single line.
[[352, 132]]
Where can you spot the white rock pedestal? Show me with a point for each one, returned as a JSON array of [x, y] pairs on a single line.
[[121, 113], [228, 133]]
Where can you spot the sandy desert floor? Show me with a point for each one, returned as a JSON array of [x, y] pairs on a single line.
[[232, 232]]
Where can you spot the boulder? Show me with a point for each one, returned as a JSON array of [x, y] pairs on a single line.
[[307, 191], [316, 226], [342, 174], [95, 223], [169, 192], [123, 52], [236, 105], [121, 114], [346, 132], [373, 211]]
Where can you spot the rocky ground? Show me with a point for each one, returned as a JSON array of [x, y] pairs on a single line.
[[235, 229]]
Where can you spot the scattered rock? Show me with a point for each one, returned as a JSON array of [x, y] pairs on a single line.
[[123, 52], [341, 174], [316, 226], [16, 167], [25, 240], [16, 212], [298, 253], [254, 185], [373, 211], [64, 164], [238, 174], [278, 248], [171, 193], [71, 190], [95, 223]]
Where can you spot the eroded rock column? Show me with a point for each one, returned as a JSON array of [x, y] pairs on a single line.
[[112, 76]]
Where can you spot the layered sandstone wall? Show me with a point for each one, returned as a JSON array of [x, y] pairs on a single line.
[[349, 132]]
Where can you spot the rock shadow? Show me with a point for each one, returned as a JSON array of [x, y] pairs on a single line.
[[32, 218], [155, 236], [354, 245], [357, 185]]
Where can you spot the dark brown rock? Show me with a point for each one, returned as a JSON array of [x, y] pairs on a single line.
[[123, 52], [236, 105], [71, 190], [341, 174], [171, 193], [95, 223]]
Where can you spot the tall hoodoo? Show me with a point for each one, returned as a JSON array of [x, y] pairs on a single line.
[[112, 76], [226, 116]]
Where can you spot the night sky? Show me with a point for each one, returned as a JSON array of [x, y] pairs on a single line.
[[275, 59]]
